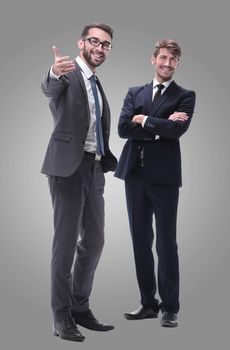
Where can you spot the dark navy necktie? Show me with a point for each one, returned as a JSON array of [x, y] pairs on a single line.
[[158, 93], [99, 134]]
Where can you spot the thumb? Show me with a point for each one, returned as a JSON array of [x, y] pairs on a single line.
[[56, 52]]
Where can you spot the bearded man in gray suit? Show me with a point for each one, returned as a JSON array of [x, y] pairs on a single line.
[[76, 159]]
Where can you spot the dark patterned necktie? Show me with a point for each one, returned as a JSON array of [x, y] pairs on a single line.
[[99, 134]]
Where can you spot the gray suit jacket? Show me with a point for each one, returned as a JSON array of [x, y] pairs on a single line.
[[70, 110]]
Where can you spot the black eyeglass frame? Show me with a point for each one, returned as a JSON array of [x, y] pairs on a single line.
[[98, 42]]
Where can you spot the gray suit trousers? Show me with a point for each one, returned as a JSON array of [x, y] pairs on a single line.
[[78, 241]]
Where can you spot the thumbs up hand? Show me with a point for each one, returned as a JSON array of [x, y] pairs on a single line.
[[62, 64]]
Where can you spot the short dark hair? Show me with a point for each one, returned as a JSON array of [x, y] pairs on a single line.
[[102, 26], [169, 44]]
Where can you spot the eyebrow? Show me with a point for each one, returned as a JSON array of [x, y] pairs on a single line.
[[162, 55], [105, 41]]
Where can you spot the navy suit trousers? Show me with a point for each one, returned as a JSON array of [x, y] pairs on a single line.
[[145, 201]]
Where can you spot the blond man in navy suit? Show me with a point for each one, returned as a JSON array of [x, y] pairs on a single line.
[[153, 119]]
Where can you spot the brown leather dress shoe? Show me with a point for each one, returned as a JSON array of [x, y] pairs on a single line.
[[67, 329], [169, 319], [141, 313], [87, 319]]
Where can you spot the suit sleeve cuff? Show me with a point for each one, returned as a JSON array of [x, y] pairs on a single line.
[[54, 76], [144, 120]]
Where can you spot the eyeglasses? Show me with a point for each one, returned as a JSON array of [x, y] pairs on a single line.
[[106, 45]]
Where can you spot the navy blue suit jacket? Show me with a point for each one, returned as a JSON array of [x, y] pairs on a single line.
[[162, 158]]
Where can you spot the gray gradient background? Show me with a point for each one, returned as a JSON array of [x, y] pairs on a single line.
[[28, 29]]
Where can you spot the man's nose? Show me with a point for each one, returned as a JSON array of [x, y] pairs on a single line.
[[167, 62], [100, 46]]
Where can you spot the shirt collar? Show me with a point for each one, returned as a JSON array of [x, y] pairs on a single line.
[[166, 83], [85, 69]]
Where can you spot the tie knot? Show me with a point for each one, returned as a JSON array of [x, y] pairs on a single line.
[[93, 78], [160, 87]]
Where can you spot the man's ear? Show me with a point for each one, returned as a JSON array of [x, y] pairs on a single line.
[[80, 44], [152, 60]]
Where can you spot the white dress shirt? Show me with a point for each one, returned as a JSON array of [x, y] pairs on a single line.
[[155, 88]]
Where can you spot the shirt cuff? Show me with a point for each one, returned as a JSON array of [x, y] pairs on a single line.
[[144, 120], [54, 76]]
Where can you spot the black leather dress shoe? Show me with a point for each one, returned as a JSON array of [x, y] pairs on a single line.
[[169, 319], [141, 313], [67, 330], [87, 319]]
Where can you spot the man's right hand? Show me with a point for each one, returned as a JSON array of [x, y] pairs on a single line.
[[62, 64]]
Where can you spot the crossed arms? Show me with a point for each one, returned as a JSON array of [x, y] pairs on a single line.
[[171, 127]]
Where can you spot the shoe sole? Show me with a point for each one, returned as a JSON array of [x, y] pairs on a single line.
[[168, 324], [95, 329], [65, 338], [139, 318]]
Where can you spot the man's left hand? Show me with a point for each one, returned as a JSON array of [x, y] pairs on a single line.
[[138, 118]]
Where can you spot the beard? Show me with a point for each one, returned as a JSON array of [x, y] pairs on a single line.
[[89, 59]]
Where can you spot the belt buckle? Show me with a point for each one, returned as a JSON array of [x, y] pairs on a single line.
[[97, 157]]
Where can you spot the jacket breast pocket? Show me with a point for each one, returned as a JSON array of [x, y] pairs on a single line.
[[62, 136]]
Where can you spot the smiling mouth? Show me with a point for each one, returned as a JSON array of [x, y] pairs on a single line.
[[97, 55], [166, 70]]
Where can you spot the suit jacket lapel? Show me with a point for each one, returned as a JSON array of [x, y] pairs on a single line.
[[105, 114], [168, 92], [148, 93], [80, 78], [102, 92]]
